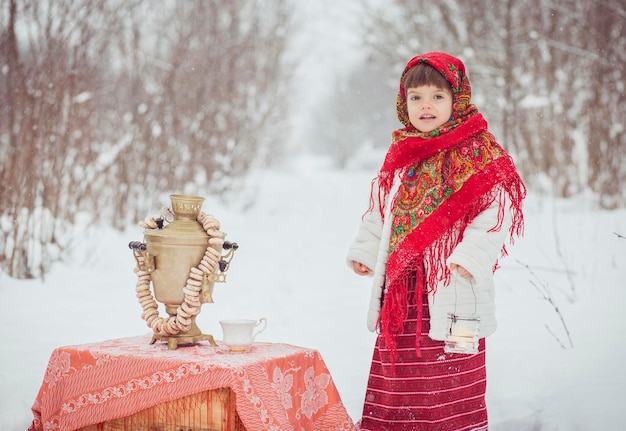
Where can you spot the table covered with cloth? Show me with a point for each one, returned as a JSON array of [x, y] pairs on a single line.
[[276, 386]]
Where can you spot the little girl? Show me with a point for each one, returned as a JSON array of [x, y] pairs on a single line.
[[441, 207]]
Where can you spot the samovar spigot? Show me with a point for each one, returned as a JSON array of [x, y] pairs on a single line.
[[145, 261]]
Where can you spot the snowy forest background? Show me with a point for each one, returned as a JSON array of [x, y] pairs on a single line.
[[107, 106], [279, 112]]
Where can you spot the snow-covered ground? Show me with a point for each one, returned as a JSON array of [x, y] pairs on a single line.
[[293, 227]]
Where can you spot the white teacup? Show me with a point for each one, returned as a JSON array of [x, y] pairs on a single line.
[[240, 333]]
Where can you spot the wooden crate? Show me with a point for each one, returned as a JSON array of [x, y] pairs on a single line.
[[206, 411]]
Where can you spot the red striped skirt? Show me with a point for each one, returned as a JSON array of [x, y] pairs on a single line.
[[436, 392]]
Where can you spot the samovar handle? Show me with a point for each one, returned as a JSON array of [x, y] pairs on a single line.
[[224, 262]]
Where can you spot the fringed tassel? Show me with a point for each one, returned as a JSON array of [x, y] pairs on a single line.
[[381, 185], [517, 193], [394, 311], [515, 190]]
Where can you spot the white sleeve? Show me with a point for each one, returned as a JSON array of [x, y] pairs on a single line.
[[480, 247], [364, 248]]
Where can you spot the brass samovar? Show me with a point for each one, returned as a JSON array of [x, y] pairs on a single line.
[[182, 260]]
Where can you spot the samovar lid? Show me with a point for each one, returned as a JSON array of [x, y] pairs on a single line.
[[184, 227]]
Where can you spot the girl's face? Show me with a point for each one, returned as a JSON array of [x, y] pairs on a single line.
[[429, 107]]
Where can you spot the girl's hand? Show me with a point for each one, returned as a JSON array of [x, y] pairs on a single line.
[[359, 268], [462, 271]]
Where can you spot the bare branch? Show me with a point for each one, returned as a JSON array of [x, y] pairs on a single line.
[[544, 290]]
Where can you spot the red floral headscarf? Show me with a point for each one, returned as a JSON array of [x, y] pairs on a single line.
[[453, 70]]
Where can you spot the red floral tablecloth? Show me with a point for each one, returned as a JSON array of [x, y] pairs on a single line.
[[277, 386]]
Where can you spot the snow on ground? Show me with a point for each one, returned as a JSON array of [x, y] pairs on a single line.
[[293, 227]]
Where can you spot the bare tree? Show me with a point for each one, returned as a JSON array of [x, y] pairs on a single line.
[[47, 92], [110, 103], [604, 44], [209, 98]]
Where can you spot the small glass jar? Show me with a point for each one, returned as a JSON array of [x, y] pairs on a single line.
[[462, 335]]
